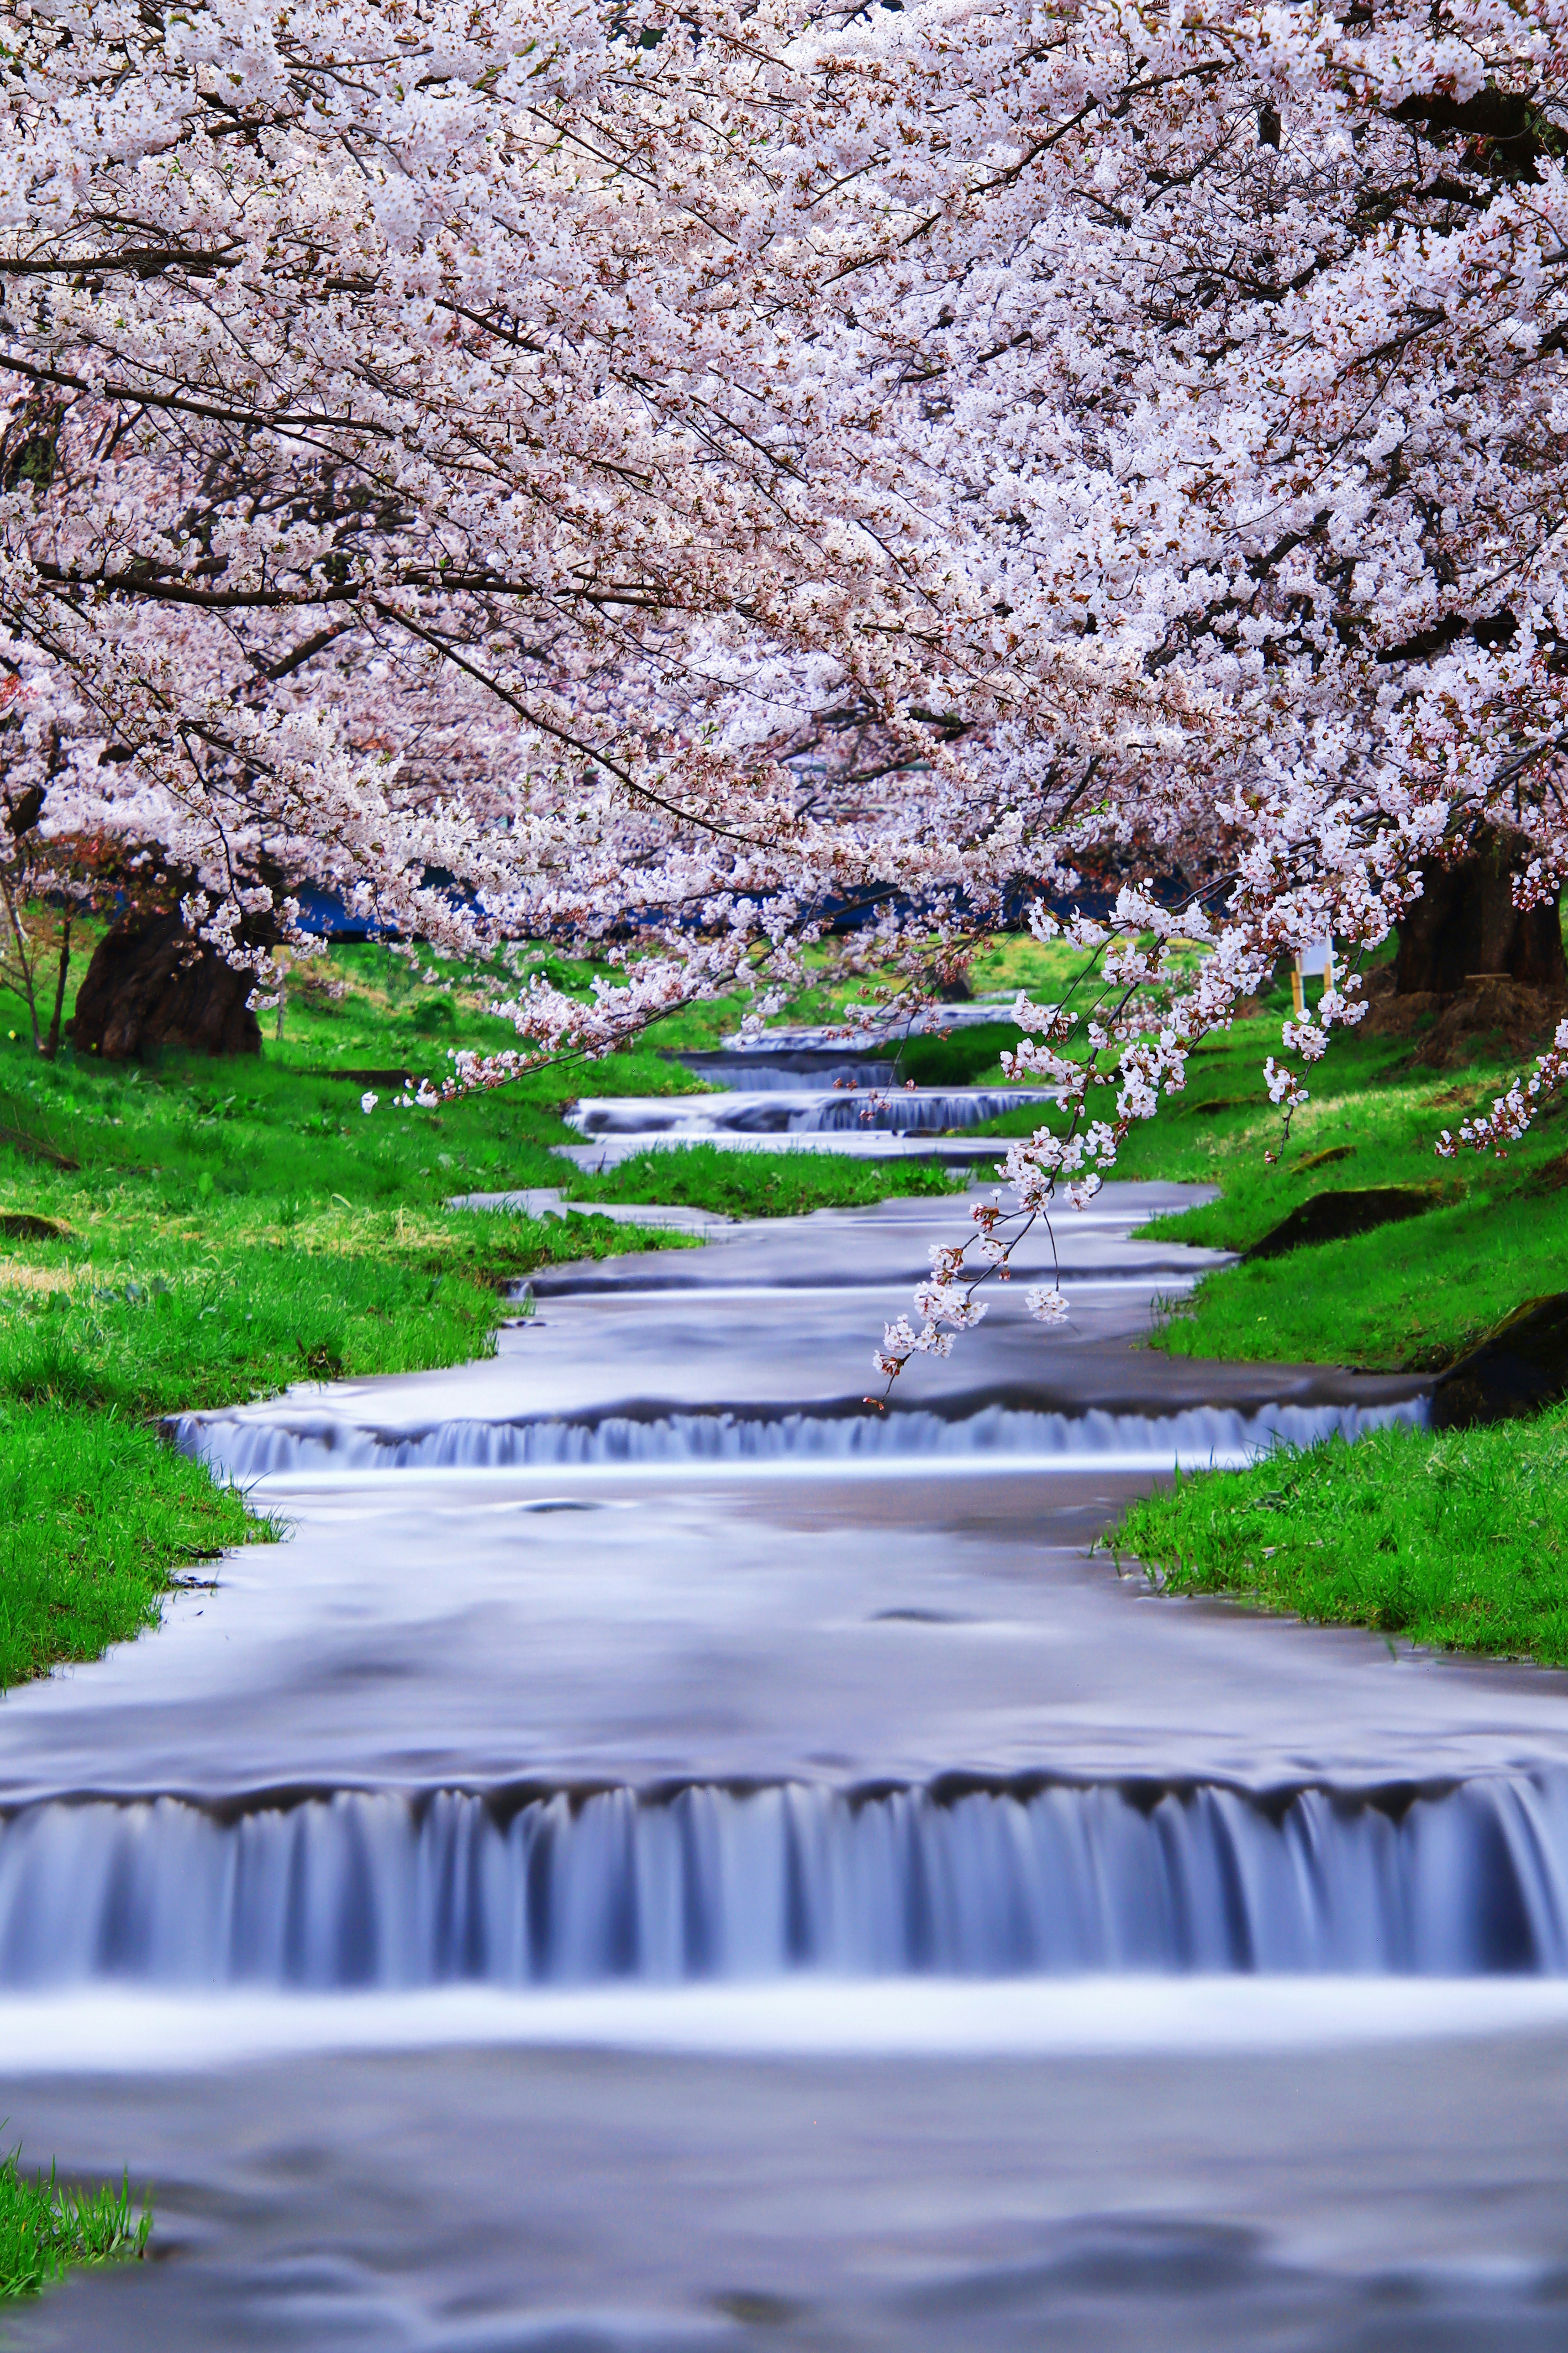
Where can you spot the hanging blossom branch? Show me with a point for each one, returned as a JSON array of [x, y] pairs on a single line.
[[1512, 1114], [1351, 882], [1072, 1168]]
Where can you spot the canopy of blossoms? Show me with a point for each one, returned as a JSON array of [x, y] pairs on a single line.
[[581, 470]]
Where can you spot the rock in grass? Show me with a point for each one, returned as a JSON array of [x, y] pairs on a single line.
[[1516, 1369], [21, 1226], [1334, 1217]]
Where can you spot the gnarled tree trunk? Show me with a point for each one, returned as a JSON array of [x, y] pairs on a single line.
[[150, 984], [1473, 977], [1466, 924]]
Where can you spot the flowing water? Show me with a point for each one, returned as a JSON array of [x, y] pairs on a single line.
[[574, 1887], [841, 1110], [803, 1095], [667, 1854]]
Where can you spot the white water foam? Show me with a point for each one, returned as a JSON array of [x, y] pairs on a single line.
[[111, 2031], [246, 1447]]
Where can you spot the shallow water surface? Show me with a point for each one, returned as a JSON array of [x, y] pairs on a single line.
[[667, 1854]]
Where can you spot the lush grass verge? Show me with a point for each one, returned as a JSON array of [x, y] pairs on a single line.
[[1413, 1295], [1458, 1539], [148, 1317], [768, 1184], [962, 1058], [181, 1249], [193, 1234], [96, 1516], [46, 2228]]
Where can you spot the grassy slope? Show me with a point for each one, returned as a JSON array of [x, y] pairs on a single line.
[[45, 2228], [95, 1513], [225, 1229], [1459, 1540], [1411, 1295]]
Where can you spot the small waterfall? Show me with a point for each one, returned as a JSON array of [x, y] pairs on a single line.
[[247, 1448], [574, 1888], [750, 1074], [917, 1112], [794, 1110]]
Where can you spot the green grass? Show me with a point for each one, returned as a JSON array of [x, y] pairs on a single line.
[[768, 1184], [1410, 1296], [1453, 1540], [1458, 1539], [193, 1234], [96, 1517], [46, 2228], [1013, 960], [964, 1057]]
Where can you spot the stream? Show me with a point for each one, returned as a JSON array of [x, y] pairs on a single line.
[[668, 1856]]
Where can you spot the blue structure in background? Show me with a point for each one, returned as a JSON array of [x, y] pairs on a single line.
[[323, 912]]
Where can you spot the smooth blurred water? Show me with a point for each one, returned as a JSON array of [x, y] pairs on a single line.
[[800, 1110], [666, 1854], [1198, 1437], [576, 1888]]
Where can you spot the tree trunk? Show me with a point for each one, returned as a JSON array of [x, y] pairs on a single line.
[[51, 1045], [1466, 924], [150, 985]]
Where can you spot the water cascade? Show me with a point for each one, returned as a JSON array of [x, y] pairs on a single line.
[[750, 1074], [251, 1449], [567, 1887], [677, 1693], [790, 1108]]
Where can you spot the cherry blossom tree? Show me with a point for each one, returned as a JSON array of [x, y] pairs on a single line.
[[596, 474], [414, 461]]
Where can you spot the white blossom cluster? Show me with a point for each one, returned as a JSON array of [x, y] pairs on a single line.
[[1510, 1114]]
